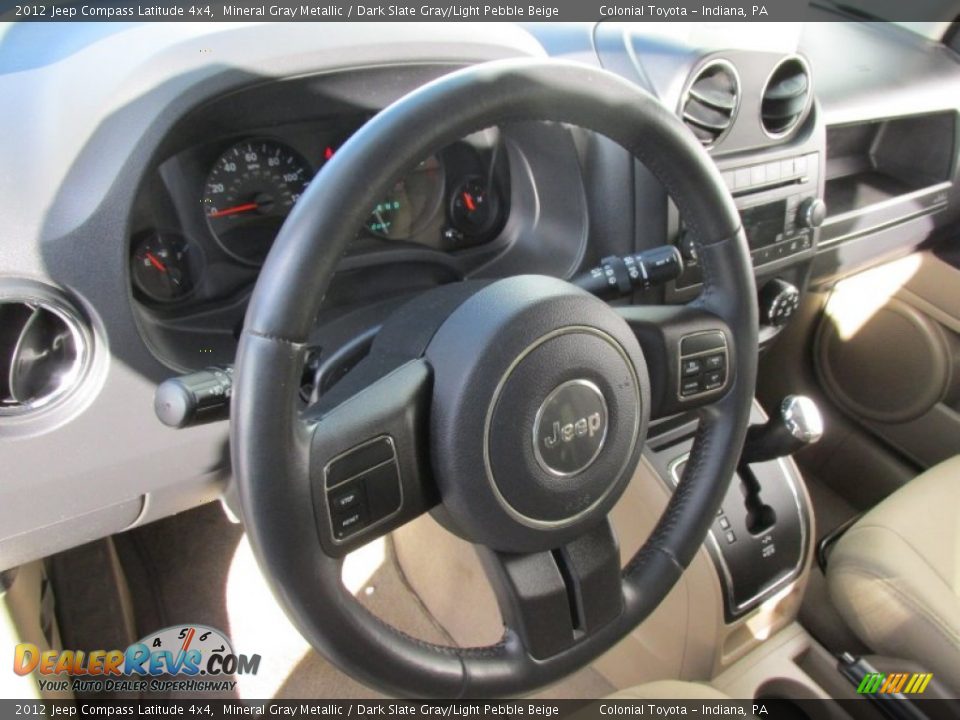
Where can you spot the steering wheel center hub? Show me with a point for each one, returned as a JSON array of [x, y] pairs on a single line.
[[540, 405]]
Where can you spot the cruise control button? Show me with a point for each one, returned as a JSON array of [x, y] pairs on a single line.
[[724, 523], [358, 460], [731, 538], [348, 523], [702, 342], [348, 498]]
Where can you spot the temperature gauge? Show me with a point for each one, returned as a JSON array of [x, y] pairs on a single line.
[[474, 209], [163, 267]]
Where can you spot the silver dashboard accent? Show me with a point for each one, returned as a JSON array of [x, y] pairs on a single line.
[[47, 355]]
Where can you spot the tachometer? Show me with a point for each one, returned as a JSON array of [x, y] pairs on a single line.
[[248, 194]]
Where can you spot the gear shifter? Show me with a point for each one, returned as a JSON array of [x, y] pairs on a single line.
[[797, 425]]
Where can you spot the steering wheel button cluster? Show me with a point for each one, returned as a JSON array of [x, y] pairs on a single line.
[[703, 364], [362, 487]]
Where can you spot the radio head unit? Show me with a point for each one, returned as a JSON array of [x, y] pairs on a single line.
[[780, 209]]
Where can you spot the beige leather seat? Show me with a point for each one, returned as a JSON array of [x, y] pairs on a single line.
[[670, 690], [895, 575]]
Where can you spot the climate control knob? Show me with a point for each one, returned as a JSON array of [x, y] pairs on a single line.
[[811, 213], [779, 300]]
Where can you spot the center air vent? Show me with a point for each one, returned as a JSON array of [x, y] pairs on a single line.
[[709, 105], [43, 353], [785, 98]]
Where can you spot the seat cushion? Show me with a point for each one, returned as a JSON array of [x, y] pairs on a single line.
[[670, 690], [895, 575]]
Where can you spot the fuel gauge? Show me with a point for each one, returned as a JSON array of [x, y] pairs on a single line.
[[164, 266], [474, 208]]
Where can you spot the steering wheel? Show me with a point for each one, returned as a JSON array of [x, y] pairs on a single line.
[[514, 410]]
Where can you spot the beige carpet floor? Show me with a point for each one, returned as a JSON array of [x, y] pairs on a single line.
[[197, 567]]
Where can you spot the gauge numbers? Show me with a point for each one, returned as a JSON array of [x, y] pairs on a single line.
[[248, 194]]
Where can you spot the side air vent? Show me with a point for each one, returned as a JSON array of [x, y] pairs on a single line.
[[786, 97], [44, 352], [710, 103]]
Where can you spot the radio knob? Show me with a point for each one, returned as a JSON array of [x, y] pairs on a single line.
[[779, 300], [811, 213]]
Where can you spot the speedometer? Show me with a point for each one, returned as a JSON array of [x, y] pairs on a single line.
[[249, 193]]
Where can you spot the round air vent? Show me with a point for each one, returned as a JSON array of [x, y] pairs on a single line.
[[786, 97], [44, 352], [710, 103]]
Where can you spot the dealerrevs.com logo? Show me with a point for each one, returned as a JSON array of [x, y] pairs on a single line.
[[181, 651]]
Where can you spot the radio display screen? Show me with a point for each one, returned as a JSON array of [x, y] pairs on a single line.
[[763, 223]]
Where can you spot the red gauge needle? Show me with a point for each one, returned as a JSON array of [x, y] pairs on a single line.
[[471, 206], [246, 207], [156, 263], [188, 639]]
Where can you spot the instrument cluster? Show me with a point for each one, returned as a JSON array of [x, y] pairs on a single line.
[[207, 221]]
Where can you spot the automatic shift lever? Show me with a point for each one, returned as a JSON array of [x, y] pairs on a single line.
[[797, 425]]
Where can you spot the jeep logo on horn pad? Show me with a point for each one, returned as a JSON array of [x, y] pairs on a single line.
[[570, 428]]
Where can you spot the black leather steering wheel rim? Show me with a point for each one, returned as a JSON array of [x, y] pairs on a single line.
[[271, 444]]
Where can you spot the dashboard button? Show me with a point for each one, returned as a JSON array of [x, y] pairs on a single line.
[[702, 342], [359, 460], [351, 496], [349, 522], [714, 362], [713, 380], [691, 367], [690, 387]]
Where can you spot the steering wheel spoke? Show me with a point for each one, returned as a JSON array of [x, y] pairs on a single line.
[[556, 599], [369, 469], [689, 353]]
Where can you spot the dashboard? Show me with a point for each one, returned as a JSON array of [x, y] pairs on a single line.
[[144, 227]]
